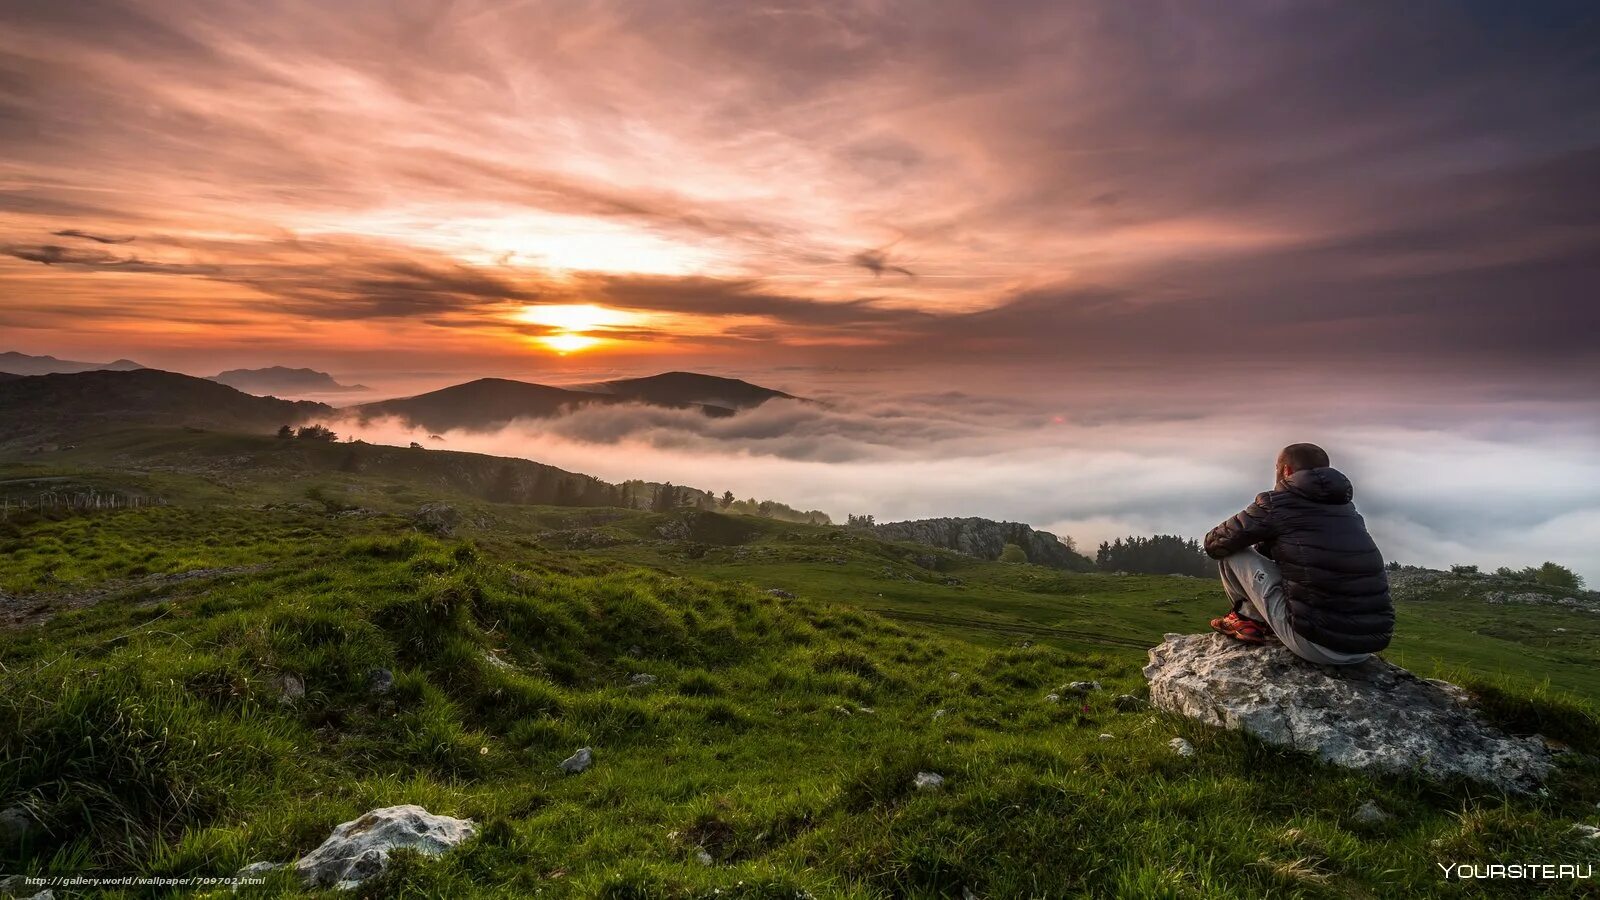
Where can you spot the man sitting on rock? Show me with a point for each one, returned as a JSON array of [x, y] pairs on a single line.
[[1298, 564]]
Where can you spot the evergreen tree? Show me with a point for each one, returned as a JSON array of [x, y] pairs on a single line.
[[1163, 554], [505, 487], [666, 498]]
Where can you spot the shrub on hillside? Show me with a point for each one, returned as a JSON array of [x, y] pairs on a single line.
[[1550, 575]]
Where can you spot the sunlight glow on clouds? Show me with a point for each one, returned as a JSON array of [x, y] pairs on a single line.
[[542, 242], [800, 179]]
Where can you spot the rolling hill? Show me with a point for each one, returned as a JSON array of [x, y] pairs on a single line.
[[67, 405]]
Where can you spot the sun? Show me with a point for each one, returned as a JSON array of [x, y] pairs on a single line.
[[568, 342], [576, 326], [576, 316]]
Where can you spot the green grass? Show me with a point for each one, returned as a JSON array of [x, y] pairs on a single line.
[[145, 728]]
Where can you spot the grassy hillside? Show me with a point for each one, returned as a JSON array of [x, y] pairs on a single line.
[[144, 717]]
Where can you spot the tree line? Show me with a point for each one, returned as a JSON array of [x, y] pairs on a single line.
[[1161, 554]]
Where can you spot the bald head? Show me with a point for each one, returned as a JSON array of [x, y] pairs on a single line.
[[1295, 457]]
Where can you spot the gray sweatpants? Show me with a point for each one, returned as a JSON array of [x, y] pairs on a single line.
[[1255, 586]]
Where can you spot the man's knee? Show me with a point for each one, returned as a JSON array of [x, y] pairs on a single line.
[[1242, 565]]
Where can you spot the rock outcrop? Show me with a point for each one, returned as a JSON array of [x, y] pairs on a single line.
[[359, 849], [1375, 715], [985, 539]]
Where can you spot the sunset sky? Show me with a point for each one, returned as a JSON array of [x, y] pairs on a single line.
[[1085, 265], [487, 186]]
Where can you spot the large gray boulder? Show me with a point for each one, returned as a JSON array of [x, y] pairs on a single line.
[[359, 849], [1375, 715]]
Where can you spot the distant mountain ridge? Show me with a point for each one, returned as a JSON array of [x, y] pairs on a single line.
[[63, 404], [15, 363], [986, 539], [275, 379], [683, 388], [491, 403], [58, 403]]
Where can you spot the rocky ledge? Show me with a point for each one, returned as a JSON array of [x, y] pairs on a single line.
[[986, 539], [1371, 716]]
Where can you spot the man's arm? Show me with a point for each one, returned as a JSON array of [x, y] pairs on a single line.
[[1250, 527]]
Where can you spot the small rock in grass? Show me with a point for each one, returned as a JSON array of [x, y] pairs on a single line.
[[1587, 832], [1181, 746], [1052, 698], [45, 894], [11, 885], [865, 710], [1108, 737], [927, 781], [1128, 703], [780, 593], [291, 688], [379, 681], [253, 874], [359, 849], [577, 762], [702, 857], [1370, 813], [437, 519], [15, 823], [643, 679], [1082, 687], [940, 713]]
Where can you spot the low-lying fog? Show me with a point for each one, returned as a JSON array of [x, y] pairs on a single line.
[[1487, 476]]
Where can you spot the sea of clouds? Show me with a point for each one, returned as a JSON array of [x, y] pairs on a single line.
[[1492, 480]]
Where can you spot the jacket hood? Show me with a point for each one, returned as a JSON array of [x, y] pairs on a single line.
[[1324, 484]]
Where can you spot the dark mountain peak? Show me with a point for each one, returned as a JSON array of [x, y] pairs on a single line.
[[282, 379], [481, 405], [486, 404], [679, 388]]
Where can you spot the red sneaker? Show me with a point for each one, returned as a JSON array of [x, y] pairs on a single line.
[[1241, 629]]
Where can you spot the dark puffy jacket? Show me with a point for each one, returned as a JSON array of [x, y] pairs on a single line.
[[1333, 574]]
